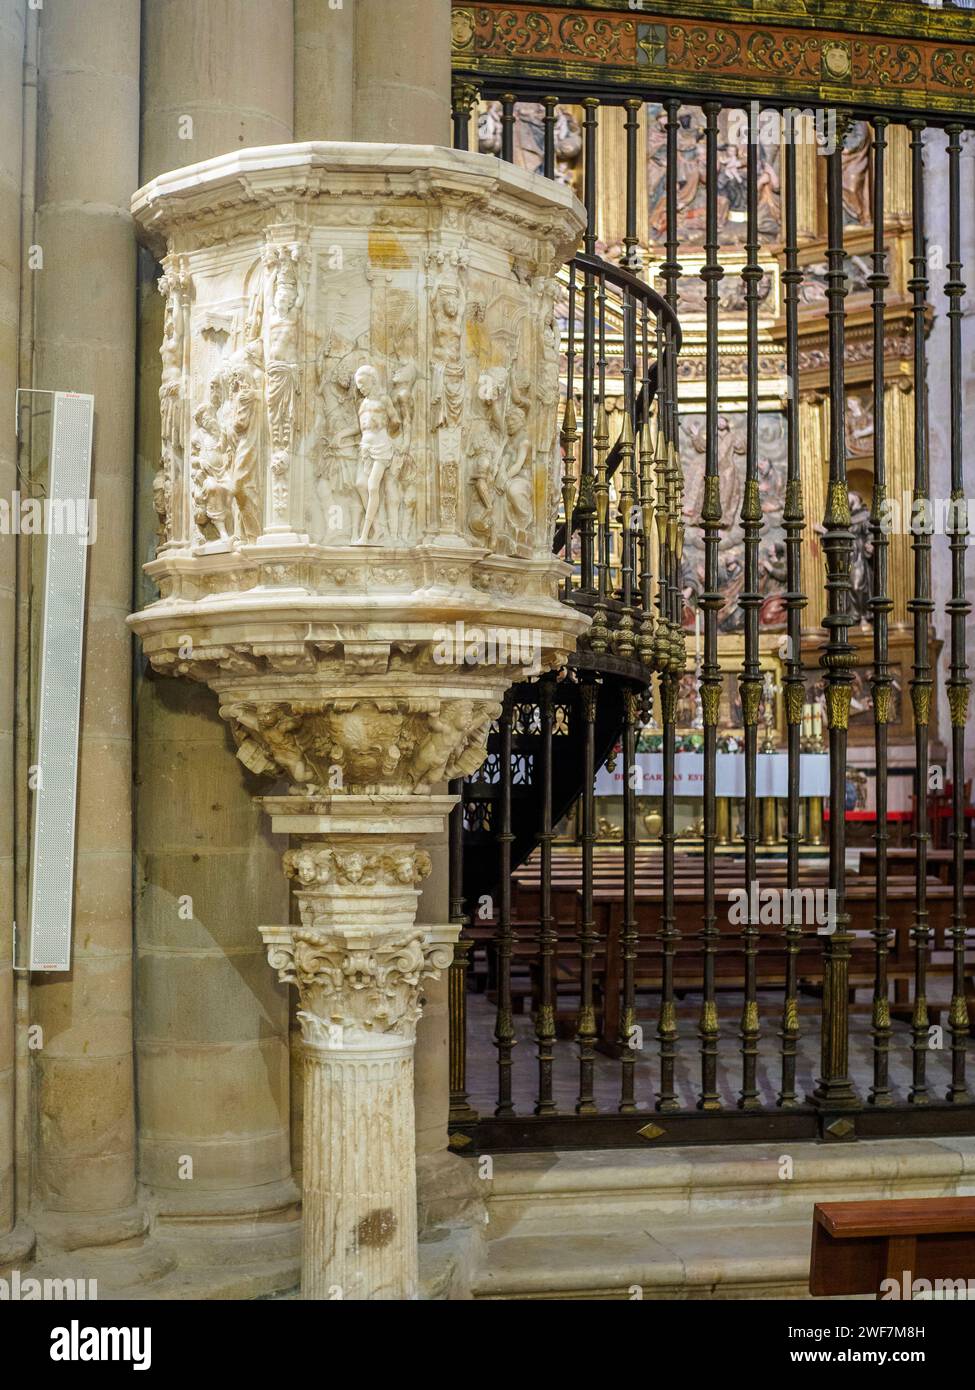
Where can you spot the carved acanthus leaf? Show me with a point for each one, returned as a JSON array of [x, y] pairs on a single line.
[[349, 985]]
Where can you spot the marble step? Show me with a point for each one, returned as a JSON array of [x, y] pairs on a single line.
[[651, 1260], [582, 1192]]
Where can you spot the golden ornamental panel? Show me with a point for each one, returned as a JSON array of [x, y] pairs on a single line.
[[722, 47]]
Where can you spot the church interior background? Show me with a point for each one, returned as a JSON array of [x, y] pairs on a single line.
[[627, 336]]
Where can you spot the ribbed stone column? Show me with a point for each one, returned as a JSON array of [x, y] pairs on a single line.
[[85, 341], [211, 1022], [325, 71], [12, 15], [402, 71], [218, 76]]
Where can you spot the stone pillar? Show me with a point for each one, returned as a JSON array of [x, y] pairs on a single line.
[[85, 341], [325, 73], [358, 959], [217, 77], [352, 315], [402, 71], [12, 26], [211, 1024]]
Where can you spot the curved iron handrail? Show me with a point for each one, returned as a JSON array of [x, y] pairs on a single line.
[[660, 308]]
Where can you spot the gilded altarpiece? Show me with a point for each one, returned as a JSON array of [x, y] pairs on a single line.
[[529, 38]]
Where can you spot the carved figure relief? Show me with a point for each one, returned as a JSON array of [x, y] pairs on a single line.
[[484, 450], [548, 456], [691, 170], [857, 180], [529, 137], [448, 385], [336, 456], [225, 447], [245, 385], [514, 485], [377, 478], [812, 287], [285, 299], [771, 469], [211, 458], [454, 735], [859, 423], [363, 456], [861, 577], [174, 284]]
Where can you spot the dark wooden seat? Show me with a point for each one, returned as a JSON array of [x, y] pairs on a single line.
[[857, 1246]]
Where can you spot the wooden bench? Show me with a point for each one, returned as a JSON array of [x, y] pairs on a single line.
[[857, 1246], [941, 862], [689, 908]]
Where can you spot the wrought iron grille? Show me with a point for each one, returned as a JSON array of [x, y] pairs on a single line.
[[635, 941]]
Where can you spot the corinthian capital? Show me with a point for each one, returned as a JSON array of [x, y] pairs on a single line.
[[356, 989]]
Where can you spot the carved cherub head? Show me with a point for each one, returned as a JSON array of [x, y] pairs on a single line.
[[460, 713], [353, 866]]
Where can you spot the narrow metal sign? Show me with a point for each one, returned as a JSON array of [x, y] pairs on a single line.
[[67, 523]]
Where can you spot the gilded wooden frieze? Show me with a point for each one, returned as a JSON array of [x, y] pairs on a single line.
[[735, 51]]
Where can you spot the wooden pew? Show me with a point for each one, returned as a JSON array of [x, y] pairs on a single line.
[[941, 862], [729, 970], [856, 1246]]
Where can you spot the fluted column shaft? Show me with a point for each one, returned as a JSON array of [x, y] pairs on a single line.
[[359, 1218]]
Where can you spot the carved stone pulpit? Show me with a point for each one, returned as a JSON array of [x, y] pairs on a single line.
[[357, 488]]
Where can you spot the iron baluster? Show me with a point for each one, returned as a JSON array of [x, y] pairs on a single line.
[[921, 607], [508, 127], [547, 937], [669, 936], [750, 600], [628, 933], [711, 602], [586, 1034], [880, 606], [958, 609], [834, 1089], [793, 521], [504, 1029]]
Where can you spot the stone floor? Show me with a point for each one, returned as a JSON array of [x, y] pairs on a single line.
[[483, 1070]]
